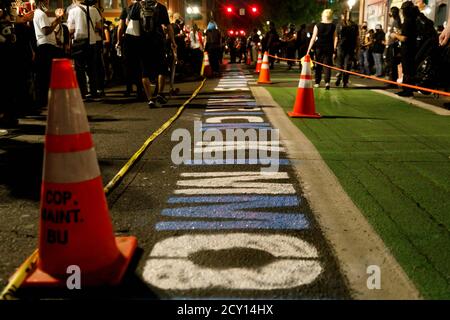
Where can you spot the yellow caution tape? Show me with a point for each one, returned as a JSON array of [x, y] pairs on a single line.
[[113, 183], [30, 263], [19, 276]]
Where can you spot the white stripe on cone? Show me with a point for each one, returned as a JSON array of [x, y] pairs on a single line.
[[70, 167], [306, 84], [306, 71], [70, 119]]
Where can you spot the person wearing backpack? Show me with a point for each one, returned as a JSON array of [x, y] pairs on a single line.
[[154, 15], [129, 45], [82, 27]]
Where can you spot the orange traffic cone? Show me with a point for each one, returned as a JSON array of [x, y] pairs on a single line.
[[249, 57], [258, 63], [264, 75], [206, 68], [75, 226], [304, 106]]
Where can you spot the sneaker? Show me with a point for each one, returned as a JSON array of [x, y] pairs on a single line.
[[338, 82], [161, 99], [153, 103], [345, 85], [96, 98], [316, 85], [327, 86]]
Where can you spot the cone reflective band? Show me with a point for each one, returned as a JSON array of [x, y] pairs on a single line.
[[304, 106], [264, 75], [75, 227], [258, 63], [206, 68]]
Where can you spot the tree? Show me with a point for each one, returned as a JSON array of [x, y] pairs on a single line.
[[298, 11]]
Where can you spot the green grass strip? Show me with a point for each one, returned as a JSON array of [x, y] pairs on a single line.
[[393, 160]]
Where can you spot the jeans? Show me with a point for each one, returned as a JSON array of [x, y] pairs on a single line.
[[364, 61], [378, 59], [344, 61]]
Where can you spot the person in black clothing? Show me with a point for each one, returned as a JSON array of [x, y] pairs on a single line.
[[180, 37], [242, 49], [302, 42], [129, 44], [231, 43], [347, 35], [153, 50], [408, 45], [271, 43], [291, 41], [213, 46], [8, 56], [323, 37]]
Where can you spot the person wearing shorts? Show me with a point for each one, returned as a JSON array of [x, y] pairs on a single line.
[[153, 55]]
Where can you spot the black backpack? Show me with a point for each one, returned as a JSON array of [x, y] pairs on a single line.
[[148, 16]]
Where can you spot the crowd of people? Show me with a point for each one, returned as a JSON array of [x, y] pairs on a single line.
[[411, 50], [140, 51]]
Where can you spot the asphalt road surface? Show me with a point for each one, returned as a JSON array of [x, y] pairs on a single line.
[[209, 227]]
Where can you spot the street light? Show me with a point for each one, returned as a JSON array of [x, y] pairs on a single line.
[[192, 10]]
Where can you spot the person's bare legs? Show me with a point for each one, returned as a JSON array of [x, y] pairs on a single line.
[[161, 83], [147, 88]]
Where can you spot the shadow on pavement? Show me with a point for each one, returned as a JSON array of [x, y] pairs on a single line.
[[21, 166], [132, 287]]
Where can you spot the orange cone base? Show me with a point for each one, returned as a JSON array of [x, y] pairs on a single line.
[[108, 276], [301, 115]]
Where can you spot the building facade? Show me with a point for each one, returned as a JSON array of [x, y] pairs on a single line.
[[377, 11]]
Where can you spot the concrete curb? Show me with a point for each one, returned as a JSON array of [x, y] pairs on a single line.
[[353, 240], [411, 101]]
